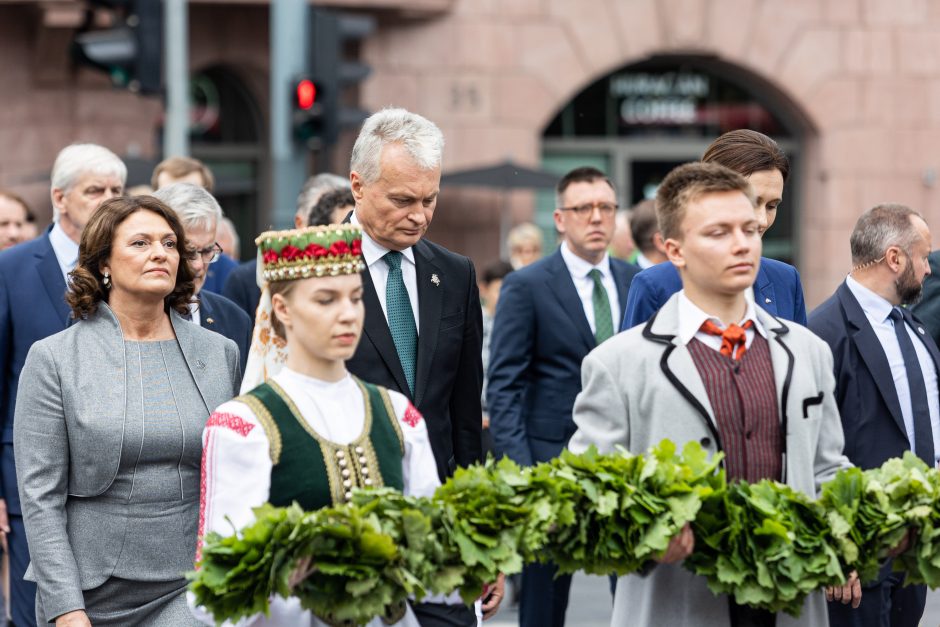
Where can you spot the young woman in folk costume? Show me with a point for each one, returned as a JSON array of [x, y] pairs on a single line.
[[311, 432]]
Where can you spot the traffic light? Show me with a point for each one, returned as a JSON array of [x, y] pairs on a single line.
[[333, 73], [308, 113], [131, 50]]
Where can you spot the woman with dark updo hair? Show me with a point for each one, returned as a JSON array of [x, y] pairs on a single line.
[[109, 418]]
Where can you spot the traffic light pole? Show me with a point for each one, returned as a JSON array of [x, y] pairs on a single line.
[[176, 64], [289, 52]]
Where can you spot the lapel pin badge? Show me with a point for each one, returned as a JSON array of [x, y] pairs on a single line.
[[767, 300], [920, 330], [435, 279], [200, 364], [209, 321]]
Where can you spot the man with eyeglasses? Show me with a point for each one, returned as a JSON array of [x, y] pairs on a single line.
[[550, 315], [200, 214], [188, 170]]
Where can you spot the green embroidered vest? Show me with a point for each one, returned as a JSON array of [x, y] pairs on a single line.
[[316, 472]]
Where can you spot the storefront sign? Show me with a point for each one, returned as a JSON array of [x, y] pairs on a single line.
[[667, 98]]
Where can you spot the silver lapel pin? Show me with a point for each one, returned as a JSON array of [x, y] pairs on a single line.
[[435, 280]]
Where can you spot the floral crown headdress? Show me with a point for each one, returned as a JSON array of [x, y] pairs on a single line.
[[314, 251]]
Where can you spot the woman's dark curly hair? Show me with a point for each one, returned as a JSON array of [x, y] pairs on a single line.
[[86, 288]]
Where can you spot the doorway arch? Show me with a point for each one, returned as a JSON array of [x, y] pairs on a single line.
[[639, 121]]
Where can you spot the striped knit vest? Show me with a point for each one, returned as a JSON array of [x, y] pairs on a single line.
[[316, 472], [743, 396]]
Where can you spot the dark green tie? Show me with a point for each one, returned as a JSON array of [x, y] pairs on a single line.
[[603, 321], [401, 319]]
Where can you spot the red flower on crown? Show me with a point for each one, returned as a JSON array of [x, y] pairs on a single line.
[[357, 247], [269, 256], [339, 248], [314, 251], [291, 252]]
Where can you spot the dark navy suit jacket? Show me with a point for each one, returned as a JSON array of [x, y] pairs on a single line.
[[32, 307], [218, 272], [221, 315], [868, 401], [928, 309], [241, 288], [540, 335], [777, 289]]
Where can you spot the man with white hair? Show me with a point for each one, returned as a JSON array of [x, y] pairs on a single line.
[[33, 280], [423, 330], [241, 287], [200, 214]]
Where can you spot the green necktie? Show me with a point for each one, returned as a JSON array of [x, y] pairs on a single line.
[[401, 319], [603, 321]]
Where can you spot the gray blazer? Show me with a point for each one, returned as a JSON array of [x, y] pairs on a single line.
[[68, 437], [641, 386]]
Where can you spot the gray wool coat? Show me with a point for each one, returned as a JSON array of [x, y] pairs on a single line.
[[70, 412], [641, 386]]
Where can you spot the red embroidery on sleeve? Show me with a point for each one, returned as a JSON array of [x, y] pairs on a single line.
[[230, 421], [412, 416], [207, 451]]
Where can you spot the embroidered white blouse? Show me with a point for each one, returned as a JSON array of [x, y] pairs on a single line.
[[236, 467]]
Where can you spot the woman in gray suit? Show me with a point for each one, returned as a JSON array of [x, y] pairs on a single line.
[[110, 414]]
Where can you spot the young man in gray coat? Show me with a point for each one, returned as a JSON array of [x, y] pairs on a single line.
[[712, 367]]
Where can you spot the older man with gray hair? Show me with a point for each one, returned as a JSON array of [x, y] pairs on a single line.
[[423, 329], [33, 278], [200, 214]]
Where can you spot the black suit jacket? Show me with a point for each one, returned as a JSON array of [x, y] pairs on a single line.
[[221, 315], [540, 336], [928, 310], [868, 401], [449, 372], [241, 287]]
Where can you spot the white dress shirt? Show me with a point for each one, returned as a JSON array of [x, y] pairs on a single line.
[[579, 270], [194, 315], [373, 254], [877, 310], [66, 251], [643, 261], [691, 319]]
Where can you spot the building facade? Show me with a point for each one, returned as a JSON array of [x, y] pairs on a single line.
[[851, 89]]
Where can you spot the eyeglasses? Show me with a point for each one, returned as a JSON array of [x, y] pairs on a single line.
[[606, 209], [210, 254]]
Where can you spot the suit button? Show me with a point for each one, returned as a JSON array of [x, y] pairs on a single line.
[[705, 442]]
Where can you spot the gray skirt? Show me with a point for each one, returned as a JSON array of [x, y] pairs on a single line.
[[120, 602]]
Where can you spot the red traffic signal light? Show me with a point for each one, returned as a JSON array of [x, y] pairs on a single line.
[[306, 94]]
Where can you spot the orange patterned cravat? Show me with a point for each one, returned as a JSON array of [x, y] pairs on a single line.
[[733, 338]]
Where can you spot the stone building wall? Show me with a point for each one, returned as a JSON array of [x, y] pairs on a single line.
[[863, 75]]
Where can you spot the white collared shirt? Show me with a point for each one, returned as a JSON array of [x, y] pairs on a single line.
[[66, 251], [373, 254], [579, 270], [877, 310], [643, 261], [194, 313], [691, 319]]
